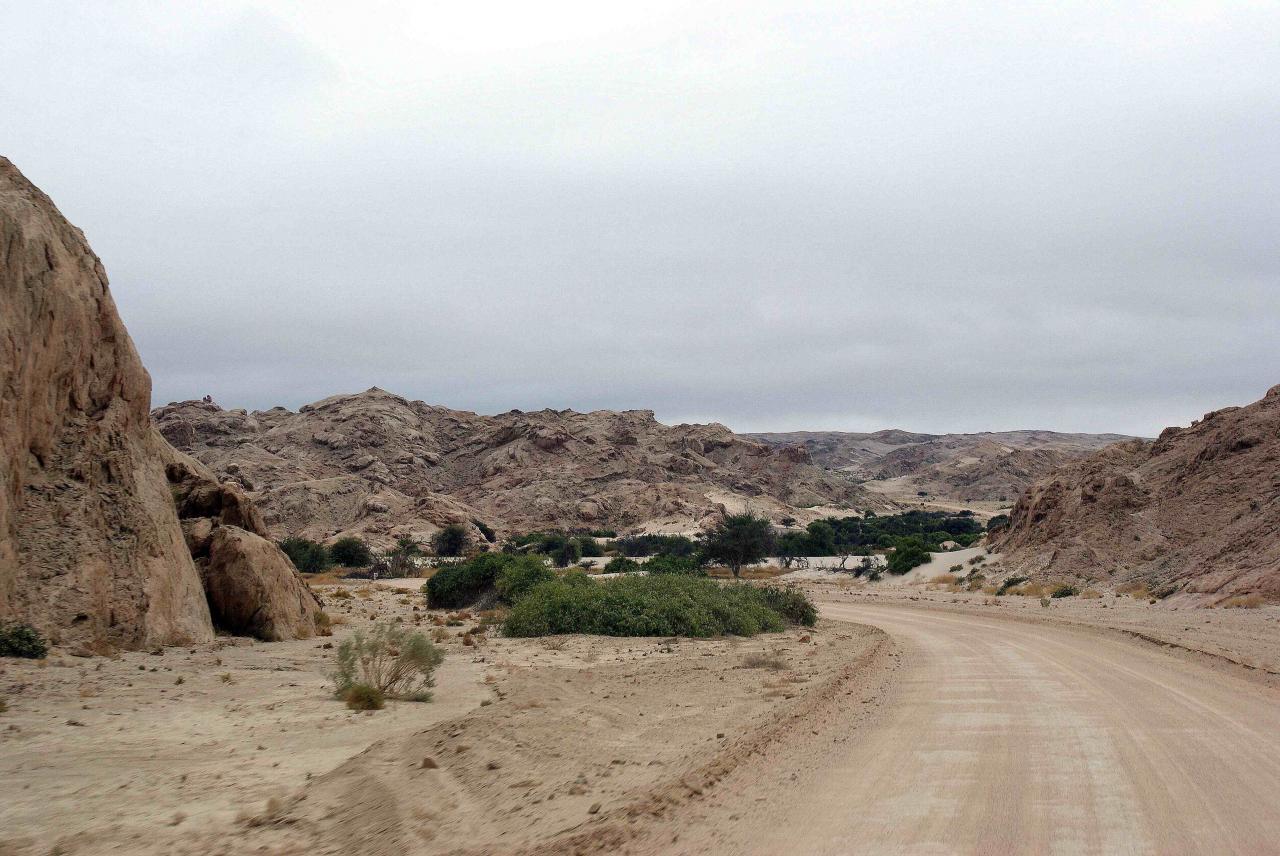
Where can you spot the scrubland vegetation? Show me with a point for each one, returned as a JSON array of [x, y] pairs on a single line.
[[21, 640], [389, 661], [663, 605]]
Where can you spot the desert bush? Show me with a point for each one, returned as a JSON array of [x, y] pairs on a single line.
[[351, 552], [1065, 590], [364, 697], [521, 574], [679, 565], [1010, 583], [659, 605], [655, 545], [22, 640], [792, 604], [764, 661], [452, 540], [589, 547], [390, 659], [462, 584], [308, 556], [908, 553], [567, 553], [944, 580], [485, 530], [621, 565]]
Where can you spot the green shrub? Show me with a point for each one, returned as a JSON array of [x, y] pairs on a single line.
[[567, 553], [655, 545], [486, 530], [351, 552], [308, 556], [521, 574], [909, 553], [680, 565], [791, 604], [462, 584], [659, 605], [364, 697], [452, 540], [22, 640], [589, 548], [390, 659], [1065, 591], [1010, 583], [622, 565]]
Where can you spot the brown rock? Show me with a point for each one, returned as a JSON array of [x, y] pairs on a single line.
[[90, 548], [1195, 514], [254, 590], [405, 467]]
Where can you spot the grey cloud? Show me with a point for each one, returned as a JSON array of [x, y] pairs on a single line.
[[776, 216]]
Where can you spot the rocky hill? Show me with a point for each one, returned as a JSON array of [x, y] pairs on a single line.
[[379, 465], [92, 548], [1194, 514], [988, 466]]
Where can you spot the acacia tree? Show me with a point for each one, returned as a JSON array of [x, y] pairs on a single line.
[[739, 539]]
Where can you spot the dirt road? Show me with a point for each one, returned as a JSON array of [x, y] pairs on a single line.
[[1009, 737]]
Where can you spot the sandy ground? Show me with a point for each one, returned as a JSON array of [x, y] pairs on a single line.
[[1010, 736], [912, 720], [1249, 638], [240, 747], [902, 491]]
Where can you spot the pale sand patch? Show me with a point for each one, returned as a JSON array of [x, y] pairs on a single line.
[[525, 737]]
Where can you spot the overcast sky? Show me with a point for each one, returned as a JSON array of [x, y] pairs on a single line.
[[774, 215]]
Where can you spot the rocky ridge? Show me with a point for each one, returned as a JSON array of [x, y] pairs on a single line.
[[378, 465], [1194, 515]]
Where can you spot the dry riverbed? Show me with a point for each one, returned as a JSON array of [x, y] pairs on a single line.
[[240, 747]]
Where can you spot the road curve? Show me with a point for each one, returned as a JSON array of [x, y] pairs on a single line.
[[1013, 737]]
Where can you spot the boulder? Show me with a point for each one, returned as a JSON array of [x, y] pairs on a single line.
[[254, 590]]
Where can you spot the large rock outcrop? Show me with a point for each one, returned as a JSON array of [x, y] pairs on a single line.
[[91, 549], [1194, 515], [378, 465]]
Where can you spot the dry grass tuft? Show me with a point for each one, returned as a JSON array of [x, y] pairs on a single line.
[[1137, 591], [1244, 601], [761, 660], [1090, 594]]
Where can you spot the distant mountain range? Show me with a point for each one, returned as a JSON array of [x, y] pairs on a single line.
[[984, 467], [378, 465]]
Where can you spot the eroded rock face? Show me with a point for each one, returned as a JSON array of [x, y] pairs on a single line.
[[1194, 514], [254, 590], [378, 465], [91, 548]]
